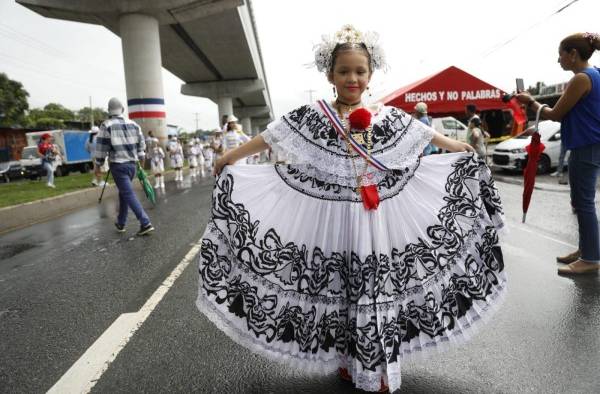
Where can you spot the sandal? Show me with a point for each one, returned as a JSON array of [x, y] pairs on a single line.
[[384, 387], [344, 374]]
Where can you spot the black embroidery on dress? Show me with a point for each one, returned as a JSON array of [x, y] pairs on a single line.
[[296, 177], [287, 275], [314, 127], [321, 131], [385, 132]]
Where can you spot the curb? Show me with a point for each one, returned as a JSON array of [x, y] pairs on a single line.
[[538, 186], [23, 215]]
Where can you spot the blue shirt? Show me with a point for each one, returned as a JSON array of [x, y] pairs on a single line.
[[581, 125], [430, 148]]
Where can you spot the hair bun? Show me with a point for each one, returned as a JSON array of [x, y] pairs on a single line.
[[594, 39]]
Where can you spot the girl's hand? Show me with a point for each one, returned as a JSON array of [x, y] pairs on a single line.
[[221, 163]]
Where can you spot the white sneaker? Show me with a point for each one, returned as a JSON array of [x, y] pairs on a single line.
[[555, 173], [95, 183], [51, 185], [102, 184]]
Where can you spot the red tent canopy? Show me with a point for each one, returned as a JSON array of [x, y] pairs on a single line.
[[447, 92]]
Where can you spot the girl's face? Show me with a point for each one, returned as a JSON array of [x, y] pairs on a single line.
[[350, 75]]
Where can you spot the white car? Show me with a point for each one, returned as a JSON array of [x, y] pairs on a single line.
[[511, 154], [450, 127]]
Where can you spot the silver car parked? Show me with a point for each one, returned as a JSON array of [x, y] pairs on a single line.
[[511, 154]]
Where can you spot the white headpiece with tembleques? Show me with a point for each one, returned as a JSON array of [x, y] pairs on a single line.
[[349, 35]]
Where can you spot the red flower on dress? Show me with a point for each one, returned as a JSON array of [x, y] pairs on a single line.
[[360, 119]]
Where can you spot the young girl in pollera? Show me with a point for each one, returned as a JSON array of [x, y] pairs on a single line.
[[358, 254], [157, 164], [176, 155]]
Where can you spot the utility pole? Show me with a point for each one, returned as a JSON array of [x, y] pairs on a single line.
[[310, 94], [196, 113], [91, 114]]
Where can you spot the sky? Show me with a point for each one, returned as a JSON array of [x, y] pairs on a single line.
[[69, 62]]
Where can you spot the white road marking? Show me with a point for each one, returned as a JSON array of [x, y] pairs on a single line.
[[520, 227], [83, 375]]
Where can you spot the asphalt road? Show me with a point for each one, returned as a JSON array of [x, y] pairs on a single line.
[[64, 282]]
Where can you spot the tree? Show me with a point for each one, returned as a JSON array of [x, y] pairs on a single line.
[[53, 115], [13, 101], [100, 115]]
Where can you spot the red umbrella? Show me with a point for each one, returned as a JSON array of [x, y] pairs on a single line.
[[534, 150]]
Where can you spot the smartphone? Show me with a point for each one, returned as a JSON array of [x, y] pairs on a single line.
[[520, 85]]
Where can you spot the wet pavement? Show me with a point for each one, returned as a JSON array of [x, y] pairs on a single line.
[[63, 282]]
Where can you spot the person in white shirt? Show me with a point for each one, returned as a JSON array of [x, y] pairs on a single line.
[[176, 155], [193, 159], [90, 146], [231, 139], [243, 138], [157, 158], [200, 156], [208, 154]]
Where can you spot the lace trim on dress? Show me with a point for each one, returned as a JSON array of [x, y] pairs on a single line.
[[399, 145]]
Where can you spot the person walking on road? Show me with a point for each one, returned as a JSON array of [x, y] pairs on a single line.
[[563, 179], [200, 155], [475, 137], [192, 155], [175, 151], [578, 110], [49, 153], [209, 154], [358, 253], [157, 163], [90, 146], [421, 115], [121, 141]]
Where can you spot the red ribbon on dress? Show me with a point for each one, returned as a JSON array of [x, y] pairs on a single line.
[[370, 196]]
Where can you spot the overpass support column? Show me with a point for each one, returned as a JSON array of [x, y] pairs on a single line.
[[247, 125], [225, 105], [143, 73]]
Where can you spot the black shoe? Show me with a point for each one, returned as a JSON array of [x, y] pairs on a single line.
[[145, 229], [120, 228]]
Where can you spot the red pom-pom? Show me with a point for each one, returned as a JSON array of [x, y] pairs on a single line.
[[360, 119]]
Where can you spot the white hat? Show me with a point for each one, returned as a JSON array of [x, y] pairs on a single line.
[[94, 130], [115, 107], [231, 118], [421, 108]]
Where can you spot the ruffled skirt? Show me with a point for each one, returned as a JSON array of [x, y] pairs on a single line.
[[176, 161], [294, 268]]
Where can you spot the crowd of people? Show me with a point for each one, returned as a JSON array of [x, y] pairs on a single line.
[[477, 137]]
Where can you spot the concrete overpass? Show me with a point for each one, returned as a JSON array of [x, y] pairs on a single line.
[[212, 45]]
